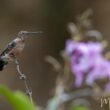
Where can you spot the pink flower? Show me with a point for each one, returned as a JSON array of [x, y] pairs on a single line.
[[87, 58]]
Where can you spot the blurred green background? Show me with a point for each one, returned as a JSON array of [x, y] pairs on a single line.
[[50, 16]]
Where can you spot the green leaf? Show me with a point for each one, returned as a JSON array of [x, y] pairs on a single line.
[[78, 108], [18, 100]]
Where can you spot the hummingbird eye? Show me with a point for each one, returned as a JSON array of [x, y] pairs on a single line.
[[22, 33]]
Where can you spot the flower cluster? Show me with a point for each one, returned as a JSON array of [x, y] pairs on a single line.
[[87, 61]]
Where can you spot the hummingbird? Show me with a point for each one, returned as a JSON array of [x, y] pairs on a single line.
[[15, 48]]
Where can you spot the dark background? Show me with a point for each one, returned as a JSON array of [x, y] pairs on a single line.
[[50, 16]]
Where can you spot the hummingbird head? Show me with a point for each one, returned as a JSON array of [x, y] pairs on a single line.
[[26, 33]]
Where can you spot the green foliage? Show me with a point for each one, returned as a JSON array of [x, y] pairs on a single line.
[[18, 100], [78, 108]]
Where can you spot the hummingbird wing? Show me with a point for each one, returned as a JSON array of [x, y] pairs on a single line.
[[9, 47]]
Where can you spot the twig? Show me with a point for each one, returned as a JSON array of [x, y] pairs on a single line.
[[24, 78], [77, 94]]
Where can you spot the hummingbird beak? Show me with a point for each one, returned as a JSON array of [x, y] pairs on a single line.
[[34, 33], [26, 33]]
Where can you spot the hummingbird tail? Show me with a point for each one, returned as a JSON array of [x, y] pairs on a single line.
[[2, 64]]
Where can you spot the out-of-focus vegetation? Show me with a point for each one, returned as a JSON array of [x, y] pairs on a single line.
[[84, 58], [18, 100]]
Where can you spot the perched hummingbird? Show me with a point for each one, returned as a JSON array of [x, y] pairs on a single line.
[[14, 48]]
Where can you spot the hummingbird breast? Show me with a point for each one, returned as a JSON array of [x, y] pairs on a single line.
[[17, 49]]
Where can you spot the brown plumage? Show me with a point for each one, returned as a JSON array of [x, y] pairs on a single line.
[[14, 48]]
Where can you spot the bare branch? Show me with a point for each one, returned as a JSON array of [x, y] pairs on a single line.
[[24, 79]]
